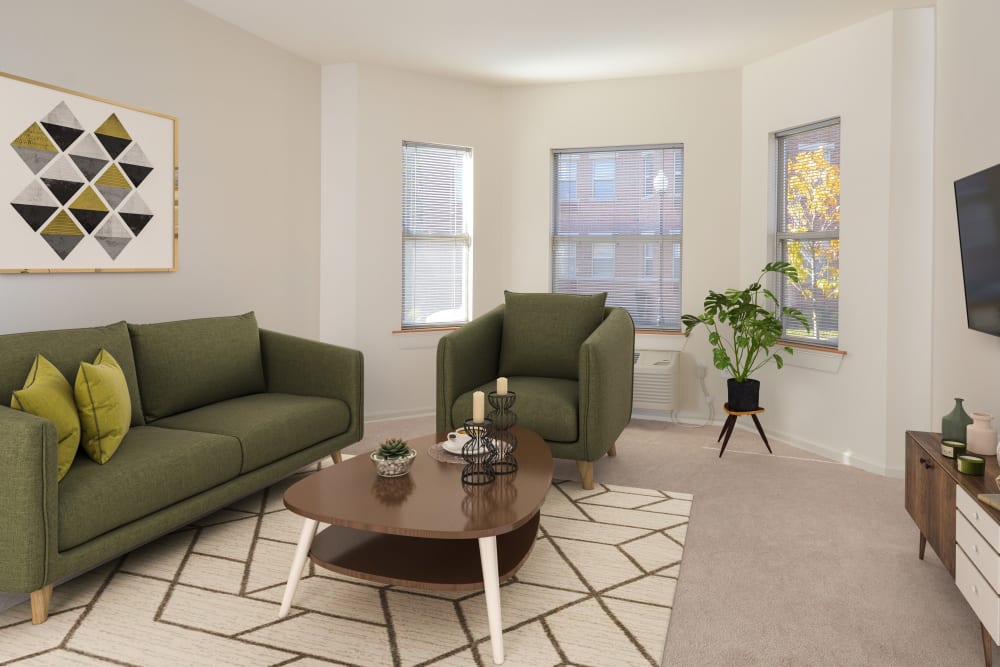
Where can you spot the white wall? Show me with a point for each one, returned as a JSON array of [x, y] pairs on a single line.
[[966, 362], [911, 225], [339, 206], [512, 132], [249, 161], [699, 110], [362, 280], [874, 77], [250, 231], [877, 76]]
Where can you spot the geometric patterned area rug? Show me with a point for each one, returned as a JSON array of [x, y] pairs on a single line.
[[597, 589]]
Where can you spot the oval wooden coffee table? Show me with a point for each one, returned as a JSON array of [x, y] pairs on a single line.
[[423, 530]]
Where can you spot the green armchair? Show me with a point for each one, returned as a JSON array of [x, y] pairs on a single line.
[[567, 357]]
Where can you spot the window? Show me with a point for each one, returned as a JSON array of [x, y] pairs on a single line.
[[567, 181], [808, 230], [649, 172], [604, 178], [565, 266], [437, 223], [678, 174], [649, 260], [628, 243], [603, 260]]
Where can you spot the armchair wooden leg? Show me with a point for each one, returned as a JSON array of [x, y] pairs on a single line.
[[40, 604], [337, 457], [612, 451], [586, 474]]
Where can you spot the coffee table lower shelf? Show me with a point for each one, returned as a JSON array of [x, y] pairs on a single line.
[[419, 562]]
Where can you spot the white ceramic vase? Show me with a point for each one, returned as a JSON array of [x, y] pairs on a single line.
[[980, 436]]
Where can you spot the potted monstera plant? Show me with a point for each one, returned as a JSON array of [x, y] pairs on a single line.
[[743, 328]]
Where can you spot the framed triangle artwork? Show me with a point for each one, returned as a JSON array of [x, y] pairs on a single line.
[[88, 185]]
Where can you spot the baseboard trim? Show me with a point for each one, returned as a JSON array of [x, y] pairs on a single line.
[[844, 457], [397, 414], [689, 419]]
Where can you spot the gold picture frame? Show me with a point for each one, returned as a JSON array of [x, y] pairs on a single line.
[[90, 184]]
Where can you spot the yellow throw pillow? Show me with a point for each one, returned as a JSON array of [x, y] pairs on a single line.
[[47, 394], [104, 405]]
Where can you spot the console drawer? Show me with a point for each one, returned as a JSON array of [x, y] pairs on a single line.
[[978, 517], [982, 555], [983, 600]]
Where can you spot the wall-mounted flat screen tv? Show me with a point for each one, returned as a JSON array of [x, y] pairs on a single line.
[[977, 198]]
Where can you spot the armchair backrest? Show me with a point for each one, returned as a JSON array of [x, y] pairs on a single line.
[[543, 332]]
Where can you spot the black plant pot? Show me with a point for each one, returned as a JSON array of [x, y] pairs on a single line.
[[743, 396]]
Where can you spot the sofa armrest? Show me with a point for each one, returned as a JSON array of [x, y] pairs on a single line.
[[606, 368], [294, 365], [467, 358], [29, 501]]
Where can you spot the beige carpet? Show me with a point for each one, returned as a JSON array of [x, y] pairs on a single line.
[[596, 590], [792, 559]]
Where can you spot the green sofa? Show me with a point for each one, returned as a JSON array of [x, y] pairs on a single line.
[[572, 374], [220, 409]]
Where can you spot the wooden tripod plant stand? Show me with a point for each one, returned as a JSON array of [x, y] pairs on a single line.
[[727, 428]]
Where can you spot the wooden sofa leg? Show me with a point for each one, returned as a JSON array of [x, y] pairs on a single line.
[[337, 457], [612, 451], [40, 604], [586, 474]]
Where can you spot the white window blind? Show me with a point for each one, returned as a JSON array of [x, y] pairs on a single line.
[[621, 233], [808, 230], [437, 224], [567, 181]]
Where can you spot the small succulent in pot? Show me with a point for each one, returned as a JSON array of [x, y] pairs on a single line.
[[393, 458], [393, 448]]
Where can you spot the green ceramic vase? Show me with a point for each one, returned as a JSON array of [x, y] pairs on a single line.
[[953, 424]]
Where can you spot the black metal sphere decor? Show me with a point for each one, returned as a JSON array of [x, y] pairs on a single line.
[[505, 441], [503, 414], [506, 444], [479, 453]]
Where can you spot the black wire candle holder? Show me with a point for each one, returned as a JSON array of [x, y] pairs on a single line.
[[479, 453], [504, 417]]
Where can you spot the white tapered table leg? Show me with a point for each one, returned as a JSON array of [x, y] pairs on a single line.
[[491, 585], [301, 551]]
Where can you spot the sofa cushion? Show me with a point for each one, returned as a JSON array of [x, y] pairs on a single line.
[[66, 348], [190, 363], [103, 404], [268, 426], [154, 468], [542, 333], [547, 406], [47, 394]]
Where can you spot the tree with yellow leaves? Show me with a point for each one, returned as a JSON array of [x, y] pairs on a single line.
[[812, 214]]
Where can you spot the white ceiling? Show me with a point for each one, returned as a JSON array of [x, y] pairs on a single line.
[[535, 41]]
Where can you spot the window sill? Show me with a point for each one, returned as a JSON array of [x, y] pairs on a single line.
[[416, 339], [426, 330], [659, 340], [815, 358]]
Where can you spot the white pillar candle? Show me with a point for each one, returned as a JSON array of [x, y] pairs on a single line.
[[478, 407], [501, 386]]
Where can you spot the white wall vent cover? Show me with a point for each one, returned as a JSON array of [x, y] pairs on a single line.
[[655, 385]]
